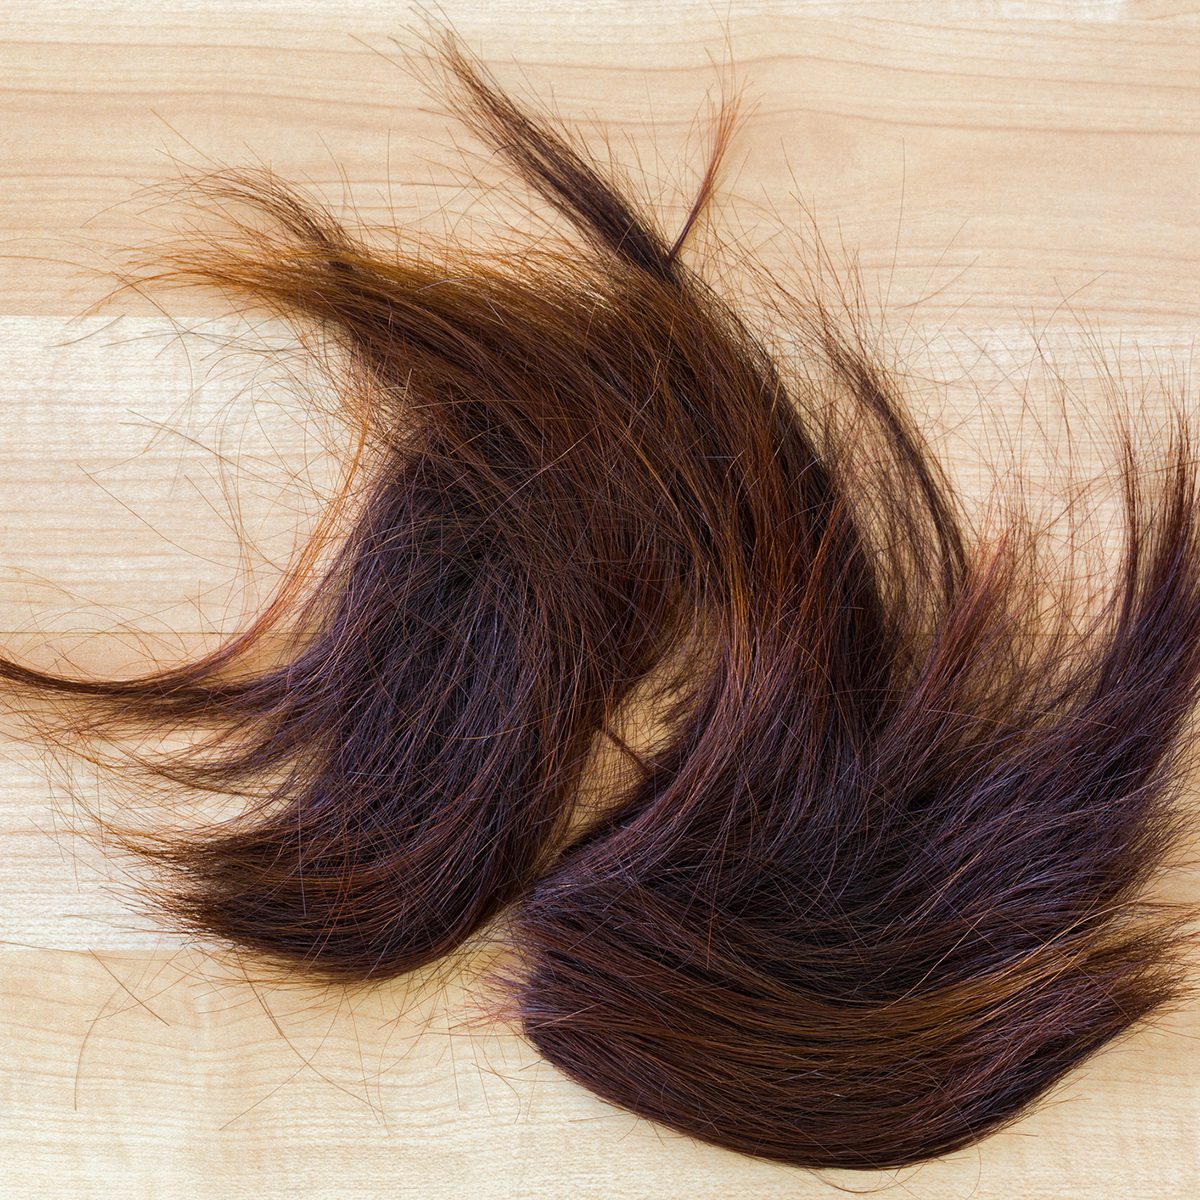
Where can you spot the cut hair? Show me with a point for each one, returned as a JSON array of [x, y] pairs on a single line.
[[879, 879]]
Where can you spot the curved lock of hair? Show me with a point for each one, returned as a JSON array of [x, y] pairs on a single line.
[[885, 881], [520, 557]]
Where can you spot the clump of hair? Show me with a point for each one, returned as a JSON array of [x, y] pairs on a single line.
[[880, 880]]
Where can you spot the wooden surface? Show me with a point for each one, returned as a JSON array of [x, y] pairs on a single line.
[[1008, 172]]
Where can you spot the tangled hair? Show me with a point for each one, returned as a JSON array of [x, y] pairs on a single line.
[[879, 880]]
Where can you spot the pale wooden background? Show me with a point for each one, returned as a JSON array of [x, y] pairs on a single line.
[[1008, 171]]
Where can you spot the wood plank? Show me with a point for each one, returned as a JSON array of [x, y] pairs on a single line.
[[1008, 176]]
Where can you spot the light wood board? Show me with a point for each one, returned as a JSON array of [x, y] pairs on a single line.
[[1007, 173]]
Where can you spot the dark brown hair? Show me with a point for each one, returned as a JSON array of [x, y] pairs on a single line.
[[876, 882]]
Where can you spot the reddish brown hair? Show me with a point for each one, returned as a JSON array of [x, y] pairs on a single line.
[[878, 882]]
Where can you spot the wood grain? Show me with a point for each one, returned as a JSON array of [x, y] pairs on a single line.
[[1011, 176]]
